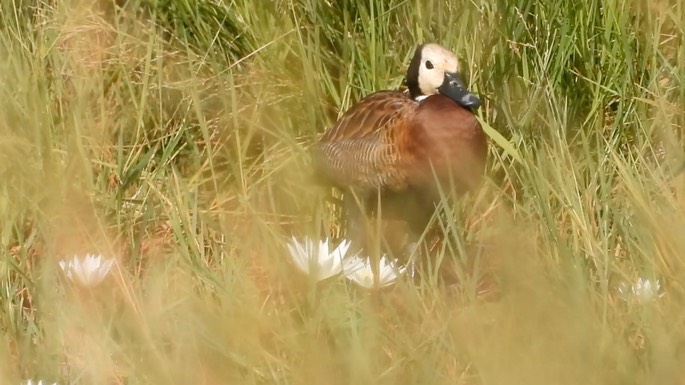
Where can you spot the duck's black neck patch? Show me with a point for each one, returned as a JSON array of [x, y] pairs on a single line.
[[413, 73]]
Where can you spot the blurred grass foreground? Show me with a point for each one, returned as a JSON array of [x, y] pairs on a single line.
[[167, 141]]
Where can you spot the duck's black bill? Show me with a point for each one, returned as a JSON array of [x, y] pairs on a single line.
[[453, 87]]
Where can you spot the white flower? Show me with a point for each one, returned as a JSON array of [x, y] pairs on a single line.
[[30, 382], [643, 290], [360, 272], [318, 261], [88, 271]]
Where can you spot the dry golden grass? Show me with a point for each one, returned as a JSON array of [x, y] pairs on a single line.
[[175, 139]]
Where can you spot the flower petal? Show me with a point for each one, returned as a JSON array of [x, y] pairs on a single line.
[[87, 271], [389, 273], [359, 271], [352, 264], [299, 255], [322, 252], [313, 258]]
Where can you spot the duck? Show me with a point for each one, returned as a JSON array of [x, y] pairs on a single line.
[[394, 152]]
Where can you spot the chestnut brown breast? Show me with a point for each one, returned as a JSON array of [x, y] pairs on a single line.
[[445, 141]]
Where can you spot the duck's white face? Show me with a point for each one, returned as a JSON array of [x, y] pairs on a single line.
[[435, 62], [435, 70]]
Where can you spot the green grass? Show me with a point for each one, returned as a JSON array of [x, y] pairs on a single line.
[[174, 136]]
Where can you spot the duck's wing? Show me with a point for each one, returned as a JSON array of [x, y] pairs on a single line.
[[364, 149]]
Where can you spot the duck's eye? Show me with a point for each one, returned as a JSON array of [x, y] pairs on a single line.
[[429, 65]]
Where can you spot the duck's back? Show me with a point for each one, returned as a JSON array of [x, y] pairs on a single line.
[[362, 150]]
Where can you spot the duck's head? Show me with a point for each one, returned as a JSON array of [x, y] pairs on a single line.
[[435, 70]]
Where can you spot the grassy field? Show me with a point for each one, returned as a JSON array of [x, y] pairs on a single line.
[[173, 136]]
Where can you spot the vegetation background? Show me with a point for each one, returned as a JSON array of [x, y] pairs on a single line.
[[173, 136]]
